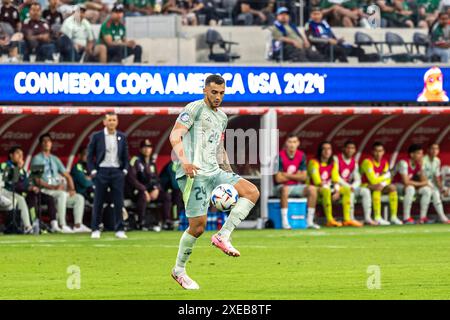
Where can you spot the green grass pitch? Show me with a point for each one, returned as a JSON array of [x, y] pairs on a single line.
[[414, 263]]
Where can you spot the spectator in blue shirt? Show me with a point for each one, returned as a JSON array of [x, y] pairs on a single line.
[[320, 34]]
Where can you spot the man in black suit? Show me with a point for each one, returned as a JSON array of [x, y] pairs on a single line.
[[108, 163]]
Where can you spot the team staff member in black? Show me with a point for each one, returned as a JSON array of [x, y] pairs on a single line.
[[108, 164]]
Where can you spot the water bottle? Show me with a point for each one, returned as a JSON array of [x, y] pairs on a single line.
[[36, 227]]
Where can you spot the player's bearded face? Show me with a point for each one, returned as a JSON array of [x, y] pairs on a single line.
[[214, 94]]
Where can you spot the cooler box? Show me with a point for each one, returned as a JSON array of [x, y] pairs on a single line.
[[297, 210]]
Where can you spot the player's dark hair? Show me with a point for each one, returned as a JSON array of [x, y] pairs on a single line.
[[13, 149], [377, 144], [292, 135], [320, 149], [314, 9], [214, 78], [35, 3], [82, 150], [349, 142], [414, 148], [42, 137], [110, 113]]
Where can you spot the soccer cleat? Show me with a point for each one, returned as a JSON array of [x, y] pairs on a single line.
[[28, 230], [334, 223], [426, 221], [313, 226], [96, 234], [81, 229], [185, 281], [382, 222], [409, 221], [287, 226], [121, 235], [224, 245], [352, 223], [66, 229], [396, 221], [55, 227], [446, 222], [370, 222]]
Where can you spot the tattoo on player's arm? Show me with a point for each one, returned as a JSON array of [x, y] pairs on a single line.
[[224, 164]]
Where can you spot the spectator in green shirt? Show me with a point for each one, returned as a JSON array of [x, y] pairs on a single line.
[[346, 14], [113, 35], [81, 178], [24, 10], [137, 8], [395, 13], [427, 11], [440, 38]]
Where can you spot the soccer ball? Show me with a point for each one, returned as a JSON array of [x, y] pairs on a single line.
[[224, 197]]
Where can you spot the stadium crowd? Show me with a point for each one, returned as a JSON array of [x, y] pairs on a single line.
[[153, 201], [62, 30]]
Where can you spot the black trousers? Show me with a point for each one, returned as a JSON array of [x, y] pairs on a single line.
[[292, 53], [112, 178], [117, 53]]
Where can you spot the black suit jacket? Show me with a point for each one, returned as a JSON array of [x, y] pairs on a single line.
[[97, 150]]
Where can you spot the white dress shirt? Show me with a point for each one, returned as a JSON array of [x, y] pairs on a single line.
[[111, 155]]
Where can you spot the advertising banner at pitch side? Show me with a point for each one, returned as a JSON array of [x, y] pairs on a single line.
[[179, 84]]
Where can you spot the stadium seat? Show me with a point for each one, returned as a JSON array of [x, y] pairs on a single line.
[[213, 38], [364, 40], [395, 40], [422, 40], [224, 9]]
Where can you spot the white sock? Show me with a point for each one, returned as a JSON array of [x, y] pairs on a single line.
[[425, 200], [237, 215], [310, 217], [54, 224], [437, 202], [187, 242], [366, 203], [407, 202], [284, 215]]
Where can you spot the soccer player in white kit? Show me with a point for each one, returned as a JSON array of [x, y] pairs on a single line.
[[198, 142], [432, 169]]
